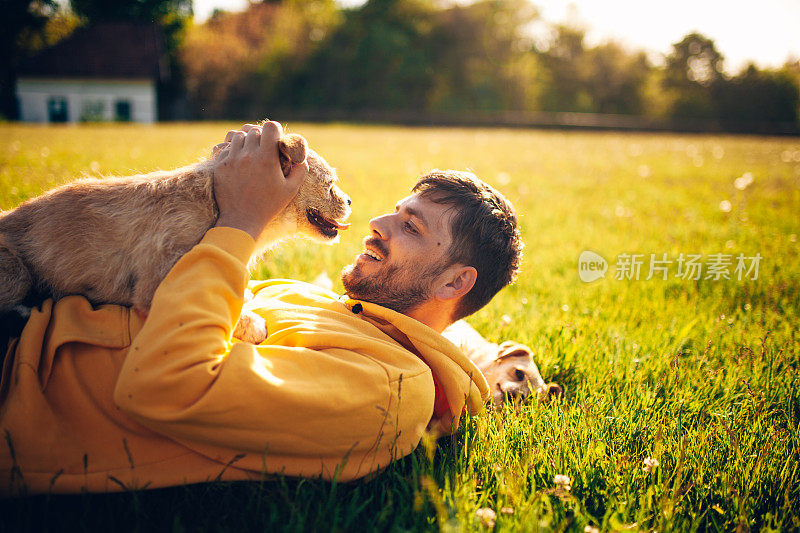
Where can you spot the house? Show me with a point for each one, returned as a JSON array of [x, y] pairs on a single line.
[[108, 71]]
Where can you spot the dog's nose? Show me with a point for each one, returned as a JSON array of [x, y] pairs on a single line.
[[554, 390], [517, 393]]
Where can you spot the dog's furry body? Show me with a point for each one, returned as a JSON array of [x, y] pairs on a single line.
[[113, 240]]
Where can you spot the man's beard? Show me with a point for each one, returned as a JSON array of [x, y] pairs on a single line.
[[400, 288]]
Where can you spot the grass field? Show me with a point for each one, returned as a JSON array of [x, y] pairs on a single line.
[[701, 375]]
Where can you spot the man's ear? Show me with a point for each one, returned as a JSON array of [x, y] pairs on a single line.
[[457, 281]]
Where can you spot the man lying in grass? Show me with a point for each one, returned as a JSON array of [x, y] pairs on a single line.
[[100, 400]]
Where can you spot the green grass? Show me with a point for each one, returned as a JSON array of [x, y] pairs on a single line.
[[702, 375]]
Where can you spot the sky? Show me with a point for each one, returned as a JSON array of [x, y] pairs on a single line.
[[766, 32]]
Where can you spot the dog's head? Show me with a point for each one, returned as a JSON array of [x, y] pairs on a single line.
[[512, 375], [321, 207]]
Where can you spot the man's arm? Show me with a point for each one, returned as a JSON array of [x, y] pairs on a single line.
[[183, 378], [178, 356]]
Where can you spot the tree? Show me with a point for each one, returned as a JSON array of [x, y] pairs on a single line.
[[693, 67], [247, 64], [758, 100], [616, 80], [437, 55], [22, 21], [171, 16], [603, 79], [792, 69], [386, 54], [480, 56], [567, 66], [376, 59], [219, 58], [157, 11]]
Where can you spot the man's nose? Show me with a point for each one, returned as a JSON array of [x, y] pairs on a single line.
[[380, 226]]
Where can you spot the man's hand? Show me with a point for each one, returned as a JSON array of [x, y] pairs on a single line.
[[249, 186], [226, 144]]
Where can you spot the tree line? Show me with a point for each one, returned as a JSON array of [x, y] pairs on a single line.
[[428, 56]]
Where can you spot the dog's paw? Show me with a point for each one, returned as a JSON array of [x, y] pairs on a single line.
[[250, 328]]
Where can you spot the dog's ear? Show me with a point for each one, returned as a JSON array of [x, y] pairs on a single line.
[[514, 349], [292, 150]]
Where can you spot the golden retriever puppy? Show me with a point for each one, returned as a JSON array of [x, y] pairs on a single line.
[[508, 367], [113, 240]]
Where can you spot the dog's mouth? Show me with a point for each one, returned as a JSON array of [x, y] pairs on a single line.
[[327, 226]]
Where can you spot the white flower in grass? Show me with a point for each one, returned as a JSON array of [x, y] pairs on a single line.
[[725, 206], [649, 464], [590, 529], [563, 481], [743, 182], [486, 516]]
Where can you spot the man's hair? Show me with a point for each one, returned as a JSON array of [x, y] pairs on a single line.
[[484, 232]]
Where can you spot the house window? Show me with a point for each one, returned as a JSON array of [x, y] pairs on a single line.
[[93, 111], [57, 109], [123, 111]]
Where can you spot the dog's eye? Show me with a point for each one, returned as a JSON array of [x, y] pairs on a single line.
[[519, 374]]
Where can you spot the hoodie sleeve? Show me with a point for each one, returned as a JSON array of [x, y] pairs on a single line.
[[183, 377], [178, 353]]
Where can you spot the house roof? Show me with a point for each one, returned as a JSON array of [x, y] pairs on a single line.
[[106, 50]]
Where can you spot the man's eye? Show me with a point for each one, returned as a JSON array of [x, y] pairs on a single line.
[[410, 227]]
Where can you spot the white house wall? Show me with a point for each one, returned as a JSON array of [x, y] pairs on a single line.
[[82, 95]]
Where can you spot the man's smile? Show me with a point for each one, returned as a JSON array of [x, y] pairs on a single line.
[[371, 254], [374, 250]]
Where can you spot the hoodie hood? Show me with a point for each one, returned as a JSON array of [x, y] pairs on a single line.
[[457, 378]]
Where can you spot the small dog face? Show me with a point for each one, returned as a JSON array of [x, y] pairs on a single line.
[[513, 375], [321, 205]]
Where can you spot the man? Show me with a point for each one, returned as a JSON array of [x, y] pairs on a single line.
[[102, 400]]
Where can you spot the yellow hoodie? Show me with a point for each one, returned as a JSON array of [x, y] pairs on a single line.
[[97, 400]]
